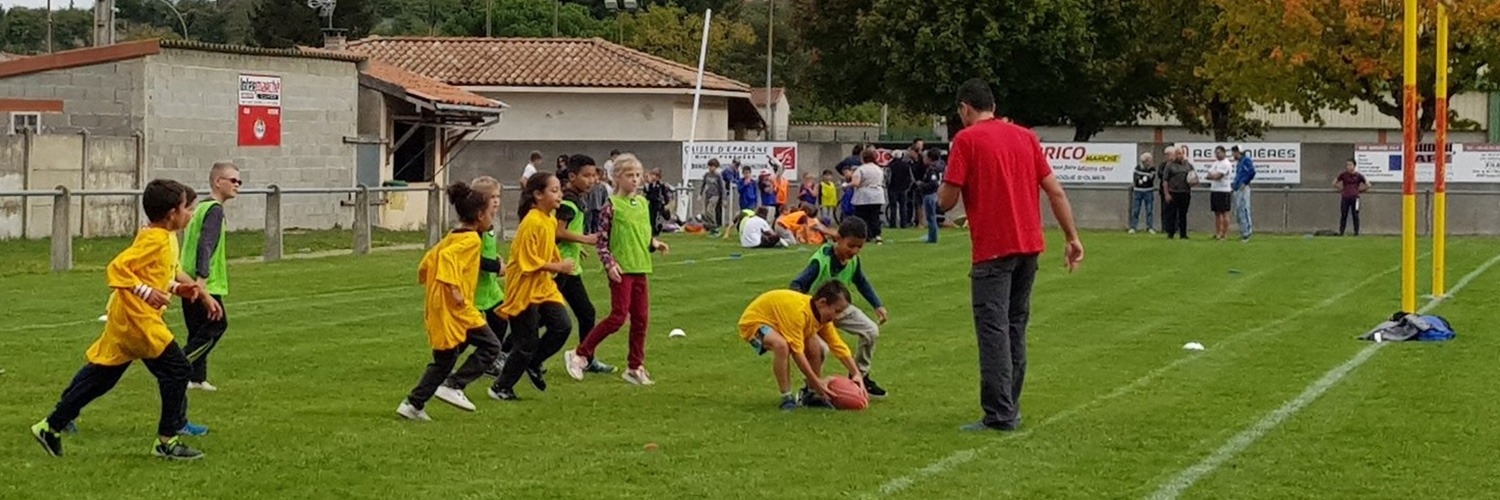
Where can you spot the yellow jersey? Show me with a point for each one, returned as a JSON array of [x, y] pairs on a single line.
[[526, 284], [790, 313], [454, 262], [830, 194], [133, 329]]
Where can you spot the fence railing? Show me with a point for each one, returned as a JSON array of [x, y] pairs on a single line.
[[63, 197]]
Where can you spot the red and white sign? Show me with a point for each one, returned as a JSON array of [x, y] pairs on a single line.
[[259, 111], [756, 155]]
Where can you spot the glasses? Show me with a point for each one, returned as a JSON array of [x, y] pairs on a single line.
[[234, 181]]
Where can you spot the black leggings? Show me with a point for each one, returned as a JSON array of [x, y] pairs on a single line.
[[577, 297], [871, 214], [531, 350], [171, 369]]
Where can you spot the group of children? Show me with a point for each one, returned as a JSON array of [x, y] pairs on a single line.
[[542, 281], [770, 191], [472, 299]]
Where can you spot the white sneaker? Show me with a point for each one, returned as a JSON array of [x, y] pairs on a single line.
[[638, 376], [454, 397], [409, 412], [575, 364], [202, 386], [1132, 231], [1152, 231]]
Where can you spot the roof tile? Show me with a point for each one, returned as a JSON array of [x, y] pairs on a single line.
[[536, 62]]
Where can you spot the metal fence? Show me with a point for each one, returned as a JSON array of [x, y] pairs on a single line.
[[1277, 210]]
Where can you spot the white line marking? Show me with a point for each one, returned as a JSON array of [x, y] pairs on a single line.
[[961, 457], [1188, 477]]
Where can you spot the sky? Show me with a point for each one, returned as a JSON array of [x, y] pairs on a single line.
[[56, 4]]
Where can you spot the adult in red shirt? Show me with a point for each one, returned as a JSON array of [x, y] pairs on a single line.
[[1000, 170]]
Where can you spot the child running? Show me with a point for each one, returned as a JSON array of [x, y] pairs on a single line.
[[141, 278], [570, 242], [796, 327], [450, 273], [532, 299], [490, 291], [625, 247], [839, 262]]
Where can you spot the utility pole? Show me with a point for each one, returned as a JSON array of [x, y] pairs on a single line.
[[49, 26], [556, 10], [770, 45], [488, 5]]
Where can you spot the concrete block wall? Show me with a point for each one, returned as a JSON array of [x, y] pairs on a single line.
[[77, 162], [192, 100], [104, 99]]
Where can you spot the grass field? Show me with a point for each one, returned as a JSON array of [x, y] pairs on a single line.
[[320, 352]]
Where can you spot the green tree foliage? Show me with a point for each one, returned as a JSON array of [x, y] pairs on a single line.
[[1185, 44], [288, 23], [670, 32]]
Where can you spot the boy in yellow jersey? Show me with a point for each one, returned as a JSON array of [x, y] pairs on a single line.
[[797, 327], [141, 278], [450, 274]]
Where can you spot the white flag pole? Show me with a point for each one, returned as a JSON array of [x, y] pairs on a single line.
[[687, 162]]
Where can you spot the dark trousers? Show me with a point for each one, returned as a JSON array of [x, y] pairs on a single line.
[[440, 370], [656, 211], [203, 335], [1175, 214], [170, 369], [871, 216], [902, 211], [529, 348], [1348, 207], [1002, 306], [630, 297], [577, 297]]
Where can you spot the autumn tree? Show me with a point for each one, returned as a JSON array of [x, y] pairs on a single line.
[[1315, 56], [1184, 37]]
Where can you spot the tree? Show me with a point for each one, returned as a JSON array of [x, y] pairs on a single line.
[[1185, 43], [288, 23], [670, 32], [1311, 56]]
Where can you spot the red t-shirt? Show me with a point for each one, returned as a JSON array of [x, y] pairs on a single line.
[[999, 168]]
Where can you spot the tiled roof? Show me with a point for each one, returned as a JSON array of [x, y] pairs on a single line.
[[758, 95], [835, 124], [427, 88], [131, 50], [537, 62]]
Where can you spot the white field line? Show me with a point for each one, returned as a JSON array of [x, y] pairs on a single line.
[[961, 457], [369, 294], [1185, 479]]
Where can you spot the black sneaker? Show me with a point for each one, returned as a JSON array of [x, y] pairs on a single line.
[[504, 394], [175, 450], [873, 389], [811, 399], [537, 378], [51, 441], [789, 403]]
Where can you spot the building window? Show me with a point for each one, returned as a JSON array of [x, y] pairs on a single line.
[[20, 123]]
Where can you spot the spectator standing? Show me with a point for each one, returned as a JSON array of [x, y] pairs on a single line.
[[1350, 184], [927, 186], [869, 192], [1143, 194], [999, 169], [1220, 186], [1244, 173], [713, 193], [1177, 181], [531, 166]]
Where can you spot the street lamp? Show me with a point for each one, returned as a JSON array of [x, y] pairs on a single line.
[[180, 20]]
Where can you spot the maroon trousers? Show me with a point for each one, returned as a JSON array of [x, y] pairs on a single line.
[[630, 297]]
